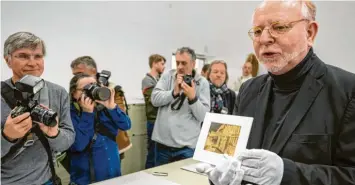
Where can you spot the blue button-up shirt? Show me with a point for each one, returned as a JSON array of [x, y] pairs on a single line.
[[105, 154]]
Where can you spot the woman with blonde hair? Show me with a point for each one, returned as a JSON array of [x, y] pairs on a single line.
[[250, 69]]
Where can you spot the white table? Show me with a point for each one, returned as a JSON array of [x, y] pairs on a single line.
[[175, 174]]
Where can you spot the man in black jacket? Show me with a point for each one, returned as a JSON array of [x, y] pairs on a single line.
[[304, 110]]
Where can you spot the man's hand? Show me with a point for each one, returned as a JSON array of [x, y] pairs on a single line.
[[86, 104], [190, 92], [120, 101], [262, 167], [177, 87], [110, 103], [227, 173], [17, 127], [49, 131]]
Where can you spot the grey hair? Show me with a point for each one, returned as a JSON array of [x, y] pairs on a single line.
[[308, 8], [187, 50], [22, 40], [86, 60]]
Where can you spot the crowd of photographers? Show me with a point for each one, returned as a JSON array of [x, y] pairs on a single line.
[[85, 129], [41, 121]]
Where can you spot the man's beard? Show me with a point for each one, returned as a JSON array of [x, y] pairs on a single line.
[[278, 64]]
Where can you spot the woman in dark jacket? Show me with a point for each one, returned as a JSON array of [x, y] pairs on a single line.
[[94, 156]]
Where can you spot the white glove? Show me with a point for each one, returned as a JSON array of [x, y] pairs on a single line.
[[261, 167], [227, 173]]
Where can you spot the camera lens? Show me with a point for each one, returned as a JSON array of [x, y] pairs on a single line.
[[43, 115], [101, 93]]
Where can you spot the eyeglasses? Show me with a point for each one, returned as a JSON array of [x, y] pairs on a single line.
[[276, 29], [27, 57]]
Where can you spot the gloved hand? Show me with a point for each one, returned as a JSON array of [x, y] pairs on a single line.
[[261, 167], [227, 173]]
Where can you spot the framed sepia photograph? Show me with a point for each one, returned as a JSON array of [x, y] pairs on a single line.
[[222, 134]]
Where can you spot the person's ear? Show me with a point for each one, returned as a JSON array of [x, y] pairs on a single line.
[[193, 64], [8, 61], [312, 33]]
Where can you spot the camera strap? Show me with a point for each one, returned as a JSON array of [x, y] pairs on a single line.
[[7, 94], [177, 104], [98, 129]]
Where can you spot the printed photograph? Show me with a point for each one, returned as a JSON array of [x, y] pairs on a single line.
[[222, 138]]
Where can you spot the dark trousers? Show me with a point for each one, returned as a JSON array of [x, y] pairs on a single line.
[[166, 154], [151, 157]]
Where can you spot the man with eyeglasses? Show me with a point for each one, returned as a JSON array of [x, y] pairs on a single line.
[[27, 147], [303, 109], [183, 98]]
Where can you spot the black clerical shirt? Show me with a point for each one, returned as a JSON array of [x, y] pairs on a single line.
[[285, 88]]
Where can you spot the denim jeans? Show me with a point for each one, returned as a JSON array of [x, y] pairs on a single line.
[[166, 154], [151, 157]]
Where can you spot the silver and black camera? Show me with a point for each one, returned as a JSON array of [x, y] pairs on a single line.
[[25, 91]]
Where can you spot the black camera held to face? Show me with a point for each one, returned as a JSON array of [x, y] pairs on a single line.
[[188, 79], [25, 90], [96, 92], [99, 91]]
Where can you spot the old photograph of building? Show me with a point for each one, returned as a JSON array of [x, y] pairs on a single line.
[[222, 138]]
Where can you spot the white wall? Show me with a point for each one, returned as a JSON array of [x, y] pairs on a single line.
[[121, 35]]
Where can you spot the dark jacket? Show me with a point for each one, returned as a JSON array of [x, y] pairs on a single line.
[[148, 84], [317, 139], [105, 154], [228, 101]]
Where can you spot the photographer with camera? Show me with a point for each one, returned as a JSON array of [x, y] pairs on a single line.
[[157, 66], [183, 98], [87, 65], [35, 119], [96, 118]]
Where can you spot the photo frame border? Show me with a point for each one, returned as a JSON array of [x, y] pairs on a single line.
[[214, 158]]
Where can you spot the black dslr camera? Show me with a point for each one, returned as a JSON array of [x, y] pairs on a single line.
[[96, 92], [25, 90], [99, 91], [188, 79]]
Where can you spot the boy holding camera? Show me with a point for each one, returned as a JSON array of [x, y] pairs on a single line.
[[183, 98], [96, 118]]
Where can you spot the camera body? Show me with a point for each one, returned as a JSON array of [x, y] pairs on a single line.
[[25, 90], [99, 91], [102, 78], [188, 79]]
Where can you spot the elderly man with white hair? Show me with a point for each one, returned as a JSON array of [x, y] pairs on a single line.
[[303, 131]]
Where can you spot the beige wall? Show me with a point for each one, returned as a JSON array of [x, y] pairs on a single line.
[[135, 157]]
